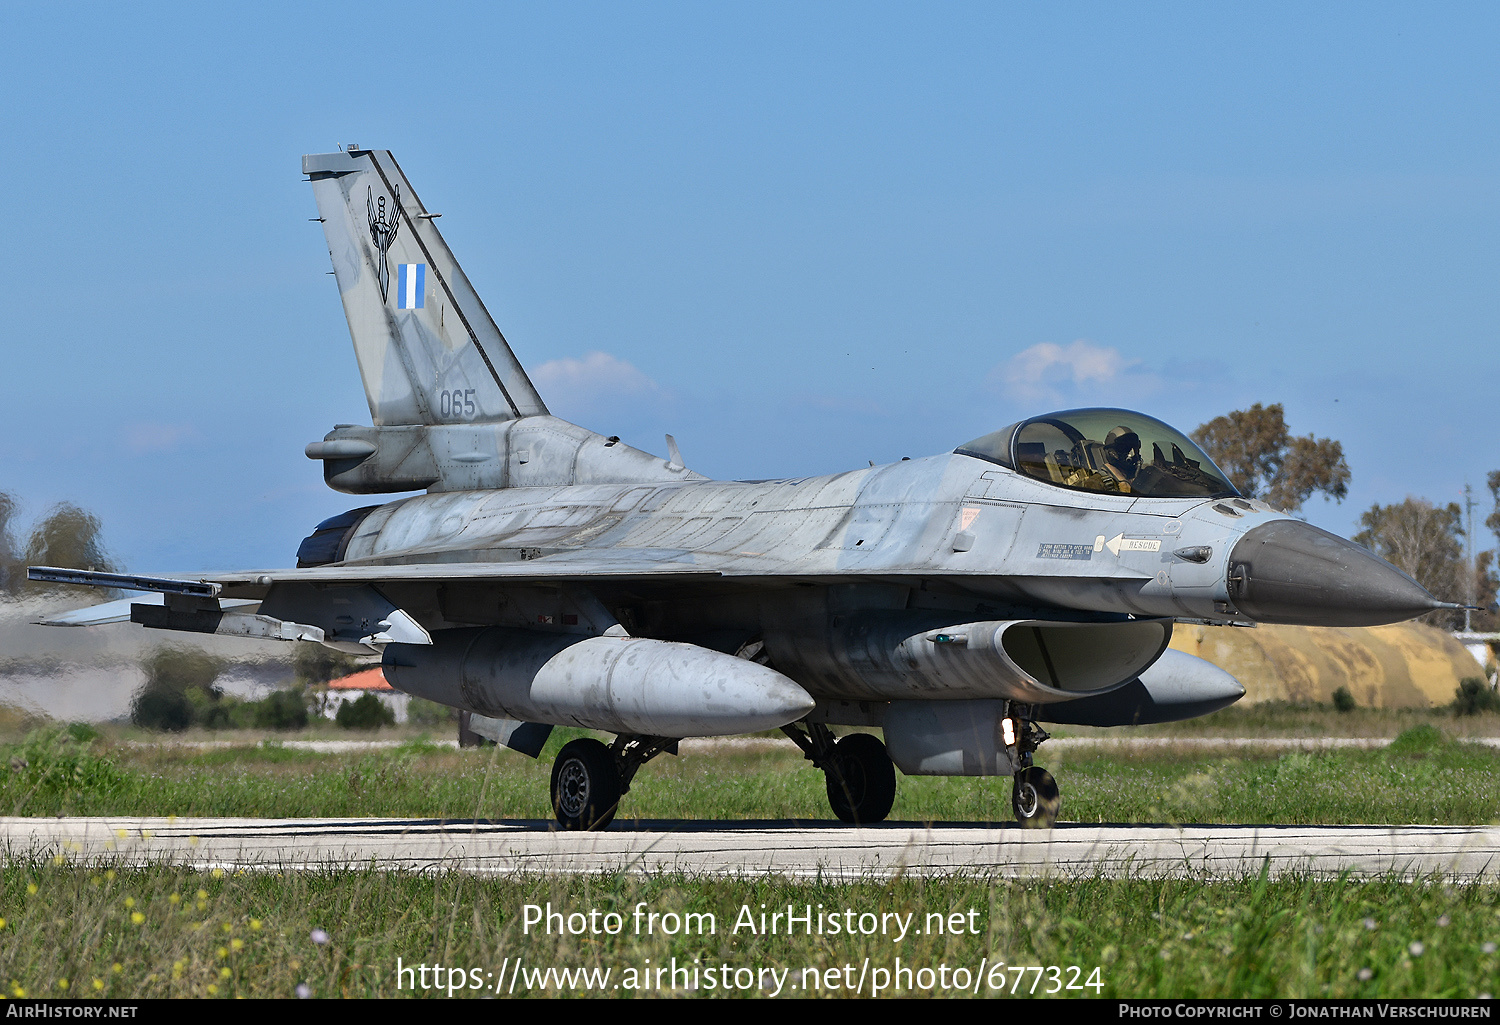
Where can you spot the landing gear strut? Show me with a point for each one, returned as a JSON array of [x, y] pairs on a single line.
[[861, 779], [588, 779], [1034, 796]]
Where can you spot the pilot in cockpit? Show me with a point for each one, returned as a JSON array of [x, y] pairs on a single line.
[[1110, 467], [1122, 456]]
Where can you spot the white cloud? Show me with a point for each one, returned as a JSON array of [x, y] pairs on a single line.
[[597, 376], [1048, 372], [152, 437]]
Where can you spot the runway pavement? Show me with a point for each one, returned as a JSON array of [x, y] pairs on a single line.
[[735, 849]]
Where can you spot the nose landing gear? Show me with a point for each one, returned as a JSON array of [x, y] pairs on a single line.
[[1034, 795], [1035, 798]]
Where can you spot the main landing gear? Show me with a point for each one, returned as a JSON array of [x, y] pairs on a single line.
[[861, 779], [588, 779]]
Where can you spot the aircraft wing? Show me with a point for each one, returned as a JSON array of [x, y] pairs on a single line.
[[340, 605], [613, 564]]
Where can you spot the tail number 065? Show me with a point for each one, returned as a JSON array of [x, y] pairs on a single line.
[[458, 404]]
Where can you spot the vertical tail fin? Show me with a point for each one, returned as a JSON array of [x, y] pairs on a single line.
[[428, 350]]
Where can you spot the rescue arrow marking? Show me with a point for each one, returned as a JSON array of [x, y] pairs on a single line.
[[1132, 544]]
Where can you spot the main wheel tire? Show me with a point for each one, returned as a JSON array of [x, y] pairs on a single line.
[[861, 780], [585, 785], [1035, 798]]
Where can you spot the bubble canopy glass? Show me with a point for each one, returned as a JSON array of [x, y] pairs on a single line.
[[1112, 451]]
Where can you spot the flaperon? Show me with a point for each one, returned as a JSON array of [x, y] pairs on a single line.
[[554, 576]]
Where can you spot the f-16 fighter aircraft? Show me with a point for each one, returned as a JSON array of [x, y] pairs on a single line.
[[554, 576]]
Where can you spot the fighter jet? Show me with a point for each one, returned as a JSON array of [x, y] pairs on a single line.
[[552, 576]]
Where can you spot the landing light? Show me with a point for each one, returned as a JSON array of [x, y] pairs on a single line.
[[1008, 732]]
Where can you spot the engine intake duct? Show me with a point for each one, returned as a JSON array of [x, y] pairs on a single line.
[[615, 683], [897, 655]]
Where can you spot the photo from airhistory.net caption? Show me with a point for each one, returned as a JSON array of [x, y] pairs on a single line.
[[78, 931]]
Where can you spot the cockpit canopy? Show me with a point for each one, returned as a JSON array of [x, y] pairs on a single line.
[[1113, 451]]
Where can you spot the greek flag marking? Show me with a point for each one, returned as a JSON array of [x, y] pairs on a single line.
[[411, 282]]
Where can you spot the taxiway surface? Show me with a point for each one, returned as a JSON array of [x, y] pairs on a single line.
[[734, 849]]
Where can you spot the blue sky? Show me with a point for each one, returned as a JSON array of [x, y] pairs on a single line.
[[798, 237]]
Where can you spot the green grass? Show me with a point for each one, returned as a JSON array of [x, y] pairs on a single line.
[[1424, 777], [74, 930], [177, 931]]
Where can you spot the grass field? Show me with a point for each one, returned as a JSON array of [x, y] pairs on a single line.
[[101, 929], [79, 931], [1423, 777]]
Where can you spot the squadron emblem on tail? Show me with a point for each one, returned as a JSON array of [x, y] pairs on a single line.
[[383, 232]]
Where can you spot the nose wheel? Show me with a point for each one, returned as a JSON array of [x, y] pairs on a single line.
[[1035, 798]]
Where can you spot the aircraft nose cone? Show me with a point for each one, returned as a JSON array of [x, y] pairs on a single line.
[[1287, 571]]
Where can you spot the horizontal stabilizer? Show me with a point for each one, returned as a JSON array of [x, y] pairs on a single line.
[[121, 581]]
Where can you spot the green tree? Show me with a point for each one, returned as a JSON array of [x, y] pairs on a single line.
[[11, 571], [179, 689], [1427, 542], [67, 536], [1474, 696], [282, 710], [314, 664], [1264, 461], [1493, 522], [366, 713]]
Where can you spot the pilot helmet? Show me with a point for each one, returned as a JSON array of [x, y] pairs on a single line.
[[1124, 444]]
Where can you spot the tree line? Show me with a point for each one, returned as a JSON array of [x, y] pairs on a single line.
[[1265, 461]]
